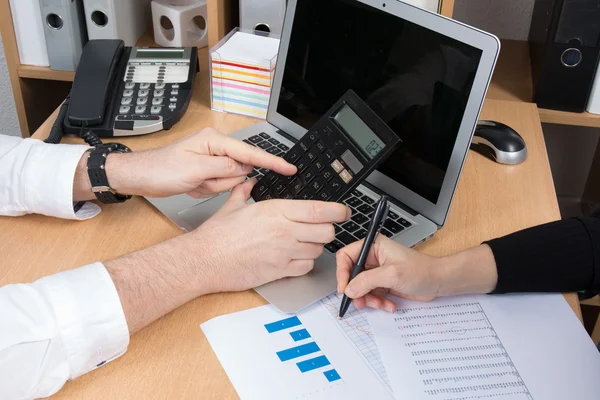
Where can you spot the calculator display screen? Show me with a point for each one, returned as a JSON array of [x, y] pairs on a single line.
[[359, 132]]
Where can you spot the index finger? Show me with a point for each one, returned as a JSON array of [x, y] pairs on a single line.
[[314, 212], [250, 155]]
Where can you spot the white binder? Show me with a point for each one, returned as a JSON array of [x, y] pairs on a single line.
[[29, 32], [262, 15], [65, 33], [117, 19]]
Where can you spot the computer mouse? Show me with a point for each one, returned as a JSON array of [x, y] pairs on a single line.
[[499, 142]]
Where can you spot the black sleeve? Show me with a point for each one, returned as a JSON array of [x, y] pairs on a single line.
[[562, 256]]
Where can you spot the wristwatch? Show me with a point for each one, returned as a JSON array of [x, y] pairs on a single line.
[[96, 171]]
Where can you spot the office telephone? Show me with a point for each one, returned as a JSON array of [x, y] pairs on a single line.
[[125, 91]]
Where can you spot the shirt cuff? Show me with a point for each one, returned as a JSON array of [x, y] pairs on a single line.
[[51, 171], [89, 316]]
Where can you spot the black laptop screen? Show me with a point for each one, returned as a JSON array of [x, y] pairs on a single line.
[[417, 80]]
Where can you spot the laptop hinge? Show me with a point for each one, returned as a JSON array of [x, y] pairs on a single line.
[[287, 136]]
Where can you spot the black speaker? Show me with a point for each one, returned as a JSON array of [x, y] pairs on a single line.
[[564, 42]]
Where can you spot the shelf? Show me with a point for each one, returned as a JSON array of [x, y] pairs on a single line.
[[512, 81], [33, 72]]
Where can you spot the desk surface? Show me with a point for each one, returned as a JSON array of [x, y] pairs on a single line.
[[172, 358]]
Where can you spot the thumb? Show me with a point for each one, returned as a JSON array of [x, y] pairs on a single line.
[[238, 197], [369, 280]]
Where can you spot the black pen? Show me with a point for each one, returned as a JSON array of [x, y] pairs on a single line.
[[379, 217]]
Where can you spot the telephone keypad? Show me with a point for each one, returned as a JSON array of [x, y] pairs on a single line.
[[148, 99]]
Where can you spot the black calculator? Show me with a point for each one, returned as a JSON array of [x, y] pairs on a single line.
[[335, 156]]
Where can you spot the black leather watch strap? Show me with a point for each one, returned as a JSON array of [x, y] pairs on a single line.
[[96, 171]]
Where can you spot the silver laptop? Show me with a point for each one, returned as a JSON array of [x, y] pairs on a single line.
[[425, 75]]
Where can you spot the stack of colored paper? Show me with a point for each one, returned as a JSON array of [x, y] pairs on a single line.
[[242, 73]]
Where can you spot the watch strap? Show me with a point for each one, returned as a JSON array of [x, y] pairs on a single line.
[[96, 166]]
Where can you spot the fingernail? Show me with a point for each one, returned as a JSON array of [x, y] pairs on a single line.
[[350, 292], [390, 309]]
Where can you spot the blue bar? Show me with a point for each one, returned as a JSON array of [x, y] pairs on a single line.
[[299, 351], [311, 364], [283, 324], [332, 375], [300, 335]]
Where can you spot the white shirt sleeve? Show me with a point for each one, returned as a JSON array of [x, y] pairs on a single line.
[[36, 177], [56, 329]]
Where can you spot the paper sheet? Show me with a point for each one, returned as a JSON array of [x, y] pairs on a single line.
[[522, 347], [270, 355]]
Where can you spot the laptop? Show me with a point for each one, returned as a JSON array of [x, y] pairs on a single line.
[[425, 75]]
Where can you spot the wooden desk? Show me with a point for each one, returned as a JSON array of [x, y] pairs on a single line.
[[171, 358]]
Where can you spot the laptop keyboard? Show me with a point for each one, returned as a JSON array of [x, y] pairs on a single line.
[[361, 204]]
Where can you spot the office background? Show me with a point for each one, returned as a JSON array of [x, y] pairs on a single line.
[[571, 149]]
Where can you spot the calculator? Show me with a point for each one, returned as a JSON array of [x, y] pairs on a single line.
[[335, 156]]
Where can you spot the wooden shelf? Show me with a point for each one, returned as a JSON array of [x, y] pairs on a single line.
[[32, 72], [512, 81]]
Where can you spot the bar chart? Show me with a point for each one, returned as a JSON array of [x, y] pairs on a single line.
[[307, 356]]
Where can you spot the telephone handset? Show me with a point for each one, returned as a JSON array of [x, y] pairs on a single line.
[[125, 91]]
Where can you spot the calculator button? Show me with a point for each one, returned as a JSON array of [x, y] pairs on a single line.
[[142, 101], [262, 187], [283, 147], [126, 101], [312, 156], [346, 238], [387, 233], [140, 109], [346, 176], [335, 185], [291, 156], [337, 166], [328, 157], [252, 174], [308, 176], [359, 219], [405, 223], [393, 227], [127, 93], [339, 143], [263, 171], [312, 136], [268, 196], [264, 145], [324, 195], [144, 86], [361, 234], [129, 85], [306, 195], [155, 110], [301, 165], [351, 226], [279, 188], [143, 93], [273, 178], [319, 165], [368, 200], [159, 86], [327, 175], [287, 195], [303, 146], [316, 185], [274, 141], [297, 186], [157, 101], [321, 147], [255, 139], [124, 110]]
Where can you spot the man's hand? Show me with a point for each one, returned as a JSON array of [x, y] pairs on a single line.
[[393, 268], [241, 247], [201, 165]]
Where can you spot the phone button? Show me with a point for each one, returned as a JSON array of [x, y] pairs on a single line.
[[156, 110], [124, 110], [159, 93], [142, 101], [157, 101], [144, 86], [126, 101], [172, 106], [175, 93], [129, 85], [175, 86], [160, 86], [140, 109], [127, 93], [143, 93], [173, 99]]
